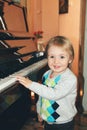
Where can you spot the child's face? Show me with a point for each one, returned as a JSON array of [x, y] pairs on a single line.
[[58, 59]]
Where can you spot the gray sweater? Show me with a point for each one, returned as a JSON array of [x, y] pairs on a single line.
[[63, 94]]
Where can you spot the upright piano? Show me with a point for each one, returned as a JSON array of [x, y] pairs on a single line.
[[18, 56]]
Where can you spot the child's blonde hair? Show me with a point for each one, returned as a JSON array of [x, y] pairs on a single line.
[[61, 41]]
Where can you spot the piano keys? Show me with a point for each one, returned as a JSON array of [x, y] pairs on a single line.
[[11, 80]]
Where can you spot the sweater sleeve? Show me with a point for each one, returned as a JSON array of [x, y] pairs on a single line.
[[38, 106], [66, 85], [63, 88]]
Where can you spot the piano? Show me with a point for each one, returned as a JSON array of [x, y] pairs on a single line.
[[18, 56], [7, 82]]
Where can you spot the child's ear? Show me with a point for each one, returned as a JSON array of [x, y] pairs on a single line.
[[70, 61]]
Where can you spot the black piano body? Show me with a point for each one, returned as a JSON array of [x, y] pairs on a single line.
[[18, 55]]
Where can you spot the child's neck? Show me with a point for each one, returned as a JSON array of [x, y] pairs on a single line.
[[53, 74]]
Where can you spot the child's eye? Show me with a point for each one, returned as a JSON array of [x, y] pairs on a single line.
[[51, 56], [62, 57]]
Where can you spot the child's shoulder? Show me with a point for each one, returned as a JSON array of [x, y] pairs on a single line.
[[70, 74]]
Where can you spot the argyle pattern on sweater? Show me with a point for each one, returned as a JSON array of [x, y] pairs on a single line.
[[49, 107]]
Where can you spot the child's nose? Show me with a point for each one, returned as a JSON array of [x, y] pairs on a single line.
[[56, 60]]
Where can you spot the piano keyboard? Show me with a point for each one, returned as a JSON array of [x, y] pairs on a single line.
[[11, 80]]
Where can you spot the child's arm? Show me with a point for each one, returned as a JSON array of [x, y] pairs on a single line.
[[38, 109]]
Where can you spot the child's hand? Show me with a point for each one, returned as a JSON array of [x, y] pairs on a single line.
[[24, 81], [40, 118]]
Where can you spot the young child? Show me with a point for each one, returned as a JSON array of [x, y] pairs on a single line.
[[58, 91]]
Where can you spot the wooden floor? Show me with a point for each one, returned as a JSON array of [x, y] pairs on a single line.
[[32, 124]]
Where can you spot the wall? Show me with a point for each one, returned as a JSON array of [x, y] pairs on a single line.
[[69, 26], [85, 66], [43, 17], [34, 15], [30, 15], [50, 18]]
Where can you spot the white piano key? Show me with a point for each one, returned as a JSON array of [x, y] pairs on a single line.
[[6, 83]]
